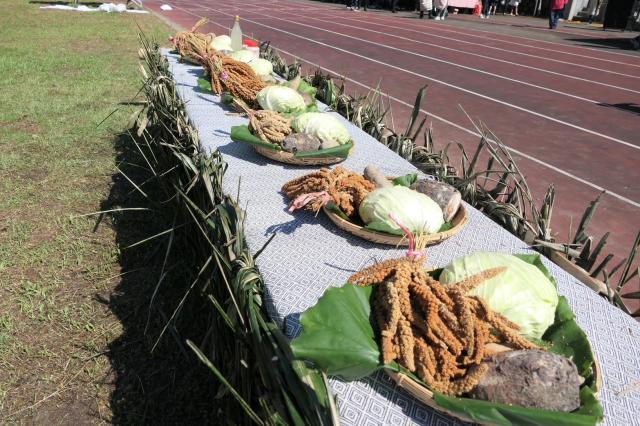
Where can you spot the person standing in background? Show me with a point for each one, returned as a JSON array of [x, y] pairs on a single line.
[[556, 10], [594, 11], [514, 7], [485, 9], [493, 6], [425, 6], [441, 9]]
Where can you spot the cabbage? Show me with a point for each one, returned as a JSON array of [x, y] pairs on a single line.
[[280, 99], [522, 293], [414, 210], [326, 127], [222, 42], [262, 67], [243, 55]]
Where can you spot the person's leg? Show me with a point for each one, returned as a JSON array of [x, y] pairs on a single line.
[[394, 6], [485, 9], [556, 18], [551, 19], [365, 3], [516, 10]]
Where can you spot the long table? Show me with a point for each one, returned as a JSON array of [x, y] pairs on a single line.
[[309, 254]]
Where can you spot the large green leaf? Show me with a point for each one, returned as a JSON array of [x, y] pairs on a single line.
[[406, 180], [204, 84], [341, 151], [338, 335], [243, 134]]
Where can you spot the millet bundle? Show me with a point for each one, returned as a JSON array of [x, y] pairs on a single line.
[[192, 45], [346, 188], [269, 126], [436, 331], [236, 77]]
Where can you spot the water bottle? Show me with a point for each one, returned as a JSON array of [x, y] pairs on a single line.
[[236, 35]]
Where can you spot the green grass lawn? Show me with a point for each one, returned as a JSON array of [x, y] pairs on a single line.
[[61, 74]]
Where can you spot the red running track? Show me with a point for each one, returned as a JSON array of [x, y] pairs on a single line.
[[569, 113]]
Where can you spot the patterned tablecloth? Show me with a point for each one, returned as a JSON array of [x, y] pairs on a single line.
[[310, 254]]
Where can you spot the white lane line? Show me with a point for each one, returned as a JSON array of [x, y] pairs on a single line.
[[332, 8], [500, 36], [484, 46], [432, 58], [453, 86], [405, 28], [457, 126], [433, 45], [326, 7]]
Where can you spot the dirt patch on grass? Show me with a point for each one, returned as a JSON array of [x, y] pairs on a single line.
[[24, 124]]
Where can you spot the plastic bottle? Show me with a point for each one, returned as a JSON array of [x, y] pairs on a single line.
[[236, 35]]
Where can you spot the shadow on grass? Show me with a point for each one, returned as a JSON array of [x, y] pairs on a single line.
[[168, 385]]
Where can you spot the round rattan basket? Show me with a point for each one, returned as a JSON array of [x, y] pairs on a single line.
[[425, 396], [289, 158], [458, 221]]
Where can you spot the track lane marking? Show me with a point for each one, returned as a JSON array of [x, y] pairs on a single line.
[[478, 55]]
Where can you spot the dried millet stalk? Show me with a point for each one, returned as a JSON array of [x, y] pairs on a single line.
[[236, 77], [434, 330], [192, 44], [269, 126], [346, 188]]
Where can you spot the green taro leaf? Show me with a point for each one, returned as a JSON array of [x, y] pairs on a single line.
[[502, 414], [445, 227], [568, 339], [406, 180], [341, 151], [243, 134], [337, 334], [204, 84], [333, 207]]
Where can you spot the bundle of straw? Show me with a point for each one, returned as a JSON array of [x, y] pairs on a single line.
[[232, 76], [192, 44]]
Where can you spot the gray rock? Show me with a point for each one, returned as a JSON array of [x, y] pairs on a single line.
[[531, 378], [301, 142]]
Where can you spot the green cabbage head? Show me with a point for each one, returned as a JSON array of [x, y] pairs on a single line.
[[414, 210], [280, 99], [221, 42], [262, 67], [522, 293], [326, 127]]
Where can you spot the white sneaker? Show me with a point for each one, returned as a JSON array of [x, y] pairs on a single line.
[[437, 18], [482, 16]]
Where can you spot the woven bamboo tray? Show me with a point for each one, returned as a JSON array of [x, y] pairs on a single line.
[[458, 221], [425, 396], [289, 158]]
